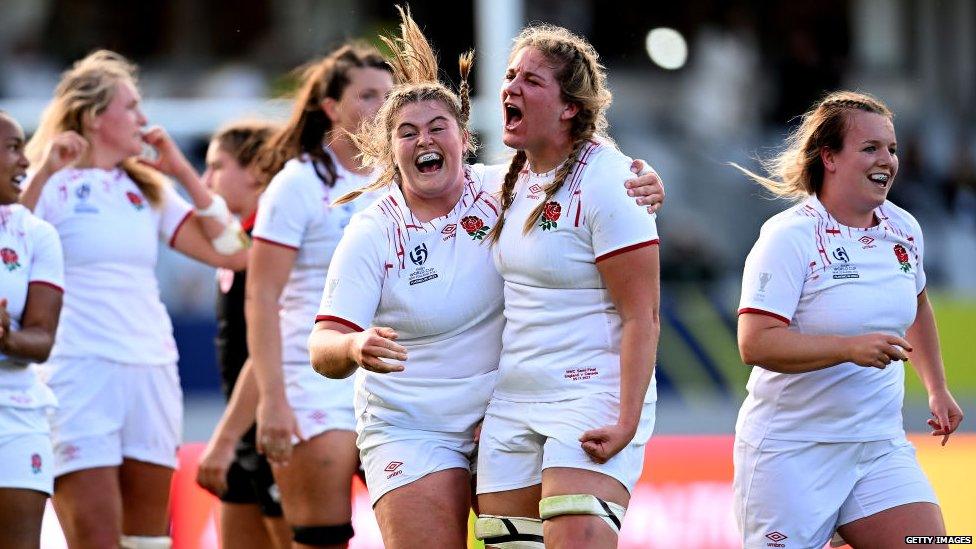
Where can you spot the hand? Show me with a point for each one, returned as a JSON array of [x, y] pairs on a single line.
[[877, 350], [477, 431], [648, 188], [63, 150], [170, 160], [276, 426], [947, 413], [4, 324], [604, 443], [214, 464], [371, 346]]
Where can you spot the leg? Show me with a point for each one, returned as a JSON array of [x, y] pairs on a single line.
[[21, 512], [145, 496], [316, 485], [279, 532], [889, 527], [581, 530], [241, 525], [89, 507], [508, 506], [445, 499]]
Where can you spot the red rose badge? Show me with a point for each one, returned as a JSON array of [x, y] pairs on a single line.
[[135, 200], [475, 227], [550, 214], [902, 255], [10, 259], [36, 463]]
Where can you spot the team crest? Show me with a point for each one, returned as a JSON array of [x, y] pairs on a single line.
[[36, 463], [136, 200], [550, 215], [475, 227], [902, 255], [10, 259]]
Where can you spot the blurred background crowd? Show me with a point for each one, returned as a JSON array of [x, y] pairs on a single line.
[[697, 84]]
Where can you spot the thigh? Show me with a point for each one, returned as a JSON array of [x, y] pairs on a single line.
[[21, 511], [242, 525], [509, 452], [145, 491], [153, 421], [889, 528], [792, 490], [89, 507], [445, 498], [316, 484]]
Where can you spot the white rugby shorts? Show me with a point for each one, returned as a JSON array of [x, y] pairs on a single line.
[[109, 411], [25, 446], [520, 439], [796, 494], [320, 404]]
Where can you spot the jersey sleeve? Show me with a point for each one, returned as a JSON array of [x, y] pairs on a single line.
[[284, 211], [355, 279], [617, 223], [47, 263], [174, 212], [775, 270], [920, 279], [53, 197]]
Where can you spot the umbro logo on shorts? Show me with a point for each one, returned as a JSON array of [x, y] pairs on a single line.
[[393, 468], [775, 538]]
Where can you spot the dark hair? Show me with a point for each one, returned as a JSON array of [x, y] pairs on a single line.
[[244, 139]]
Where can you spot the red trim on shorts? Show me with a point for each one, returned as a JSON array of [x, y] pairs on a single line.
[[273, 243], [176, 231], [48, 284], [751, 311], [626, 249], [339, 320]]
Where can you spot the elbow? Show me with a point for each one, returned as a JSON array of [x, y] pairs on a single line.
[[750, 352]]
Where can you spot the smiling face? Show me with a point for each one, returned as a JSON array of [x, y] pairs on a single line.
[[117, 131], [532, 104], [861, 174], [13, 162], [360, 99], [428, 147]]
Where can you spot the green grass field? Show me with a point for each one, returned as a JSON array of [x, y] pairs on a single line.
[[957, 332]]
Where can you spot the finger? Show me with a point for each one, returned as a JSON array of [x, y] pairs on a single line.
[[147, 162], [894, 352], [387, 344], [901, 342], [637, 166], [388, 333], [376, 365], [374, 351]]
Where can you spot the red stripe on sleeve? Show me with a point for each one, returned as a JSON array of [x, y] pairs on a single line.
[[339, 320], [751, 311], [48, 284], [626, 249], [176, 231], [274, 243]]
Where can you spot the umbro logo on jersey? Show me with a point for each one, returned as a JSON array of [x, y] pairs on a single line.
[[776, 538], [866, 241], [419, 254], [534, 191], [449, 231]]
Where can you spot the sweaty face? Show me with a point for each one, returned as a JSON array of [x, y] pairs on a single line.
[[865, 168], [234, 183], [118, 129], [532, 103], [361, 98], [13, 163], [428, 146]]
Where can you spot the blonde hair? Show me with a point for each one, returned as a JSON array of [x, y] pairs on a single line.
[[84, 92], [582, 81], [798, 171], [415, 71], [308, 125]]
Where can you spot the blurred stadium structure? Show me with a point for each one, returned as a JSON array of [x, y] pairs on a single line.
[[749, 68]]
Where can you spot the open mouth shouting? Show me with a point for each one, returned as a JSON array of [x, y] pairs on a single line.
[[513, 116], [429, 162], [881, 179]]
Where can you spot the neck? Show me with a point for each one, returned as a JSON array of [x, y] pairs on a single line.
[[550, 154], [345, 150], [845, 212], [426, 208], [101, 157]]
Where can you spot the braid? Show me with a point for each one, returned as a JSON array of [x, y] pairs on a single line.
[[557, 183], [464, 63], [508, 188]]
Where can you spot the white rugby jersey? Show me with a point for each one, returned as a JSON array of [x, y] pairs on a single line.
[[31, 254], [435, 284], [824, 278], [110, 234], [562, 332], [295, 212]]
